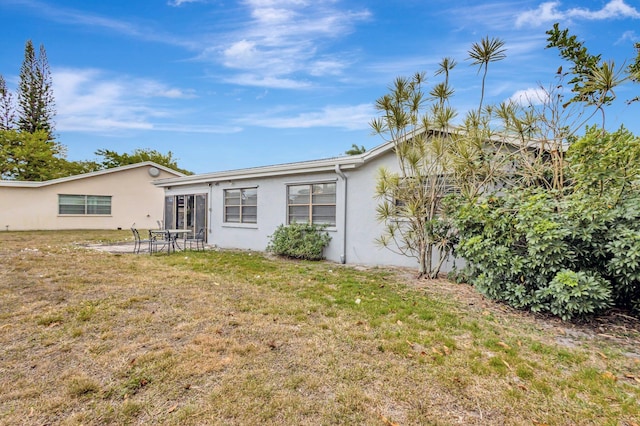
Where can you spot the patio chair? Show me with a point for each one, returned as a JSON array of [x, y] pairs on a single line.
[[197, 239], [158, 241], [137, 241]]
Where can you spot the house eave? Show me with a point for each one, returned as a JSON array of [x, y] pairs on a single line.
[[320, 166], [32, 184]]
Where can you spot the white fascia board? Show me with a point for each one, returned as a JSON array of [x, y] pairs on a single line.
[[261, 172]]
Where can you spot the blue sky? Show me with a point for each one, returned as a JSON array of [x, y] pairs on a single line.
[[231, 84]]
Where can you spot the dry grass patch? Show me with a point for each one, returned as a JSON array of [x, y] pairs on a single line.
[[91, 337]]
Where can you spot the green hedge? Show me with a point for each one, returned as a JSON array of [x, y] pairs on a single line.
[[569, 256], [299, 241]]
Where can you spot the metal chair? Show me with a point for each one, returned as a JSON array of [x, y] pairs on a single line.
[[137, 241], [198, 239], [157, 242]]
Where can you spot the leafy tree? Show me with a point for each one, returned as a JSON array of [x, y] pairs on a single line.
[[24, 154], [593, 79], [115, 159], [71, 168], [29, 156], [7, 114], [35, 95], [355, 150], [606, 164]]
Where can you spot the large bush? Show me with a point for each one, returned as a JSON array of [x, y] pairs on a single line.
[[571, 251], [570, 255], [299, 241]]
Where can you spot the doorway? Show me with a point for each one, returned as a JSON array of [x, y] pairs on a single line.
[[187, 211]]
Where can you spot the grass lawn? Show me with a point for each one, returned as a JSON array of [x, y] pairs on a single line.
[[238, 338]]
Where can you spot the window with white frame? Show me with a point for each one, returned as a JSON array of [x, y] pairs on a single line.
[[241, 205], [312, 203], [84, 204]]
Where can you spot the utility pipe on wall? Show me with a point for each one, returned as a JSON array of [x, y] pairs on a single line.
[[343, 256]]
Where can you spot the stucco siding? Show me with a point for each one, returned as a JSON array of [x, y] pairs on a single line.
[[134, 200], [272, 211], [353, 238]]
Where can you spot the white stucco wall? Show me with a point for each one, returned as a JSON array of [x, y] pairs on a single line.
[[272, 211], [362, 225], [358, 191]]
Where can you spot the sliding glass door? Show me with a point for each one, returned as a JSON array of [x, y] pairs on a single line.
[[186, 212]]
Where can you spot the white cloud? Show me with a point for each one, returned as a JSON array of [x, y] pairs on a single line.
[[350, 117], [283, 41], [96, 22], [178, 3], [492, 14], [271, 82], [530, 96], [631, 36], [612, 10], [548, 12], [91, 100]]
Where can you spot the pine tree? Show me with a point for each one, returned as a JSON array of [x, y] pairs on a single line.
[[7, 114], [35, 93]]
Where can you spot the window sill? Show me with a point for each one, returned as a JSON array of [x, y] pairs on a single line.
[[240, 225], [327, 228], [85, 215]]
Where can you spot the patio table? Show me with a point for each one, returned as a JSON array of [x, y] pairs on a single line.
[[172, 237]]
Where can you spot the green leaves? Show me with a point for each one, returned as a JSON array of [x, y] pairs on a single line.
[[576, 293], [299, 241], [606, 164], [115, 159], [570, 256], [486, 51]]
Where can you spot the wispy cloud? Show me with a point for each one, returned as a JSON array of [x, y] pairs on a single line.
[[548, 12], [178, 3], [93, 100], [631, 36], [349, 117], [77, 17], [283, 41], [271, 82], [489, 14], [273, 44]]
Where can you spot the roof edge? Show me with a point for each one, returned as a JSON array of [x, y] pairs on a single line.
[[34, 184], [312, 166]]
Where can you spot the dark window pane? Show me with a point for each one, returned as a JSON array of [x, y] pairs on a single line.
[[324, 215], [232, 214], [232, 196], [298, 214], [249, 219], [84, 204], [71, 209], [249, 214], [98, 205], [324, 198]]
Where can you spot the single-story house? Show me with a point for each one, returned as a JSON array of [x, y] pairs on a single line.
[[242, 208], [107, 199]]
